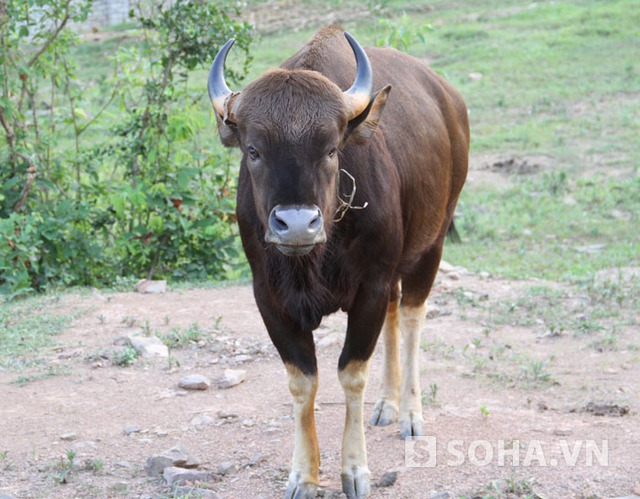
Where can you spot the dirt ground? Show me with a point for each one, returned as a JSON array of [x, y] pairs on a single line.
[[114, 418]]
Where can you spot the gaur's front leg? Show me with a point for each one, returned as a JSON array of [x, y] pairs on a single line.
[[365, 321], [297, 350], [303, 479]]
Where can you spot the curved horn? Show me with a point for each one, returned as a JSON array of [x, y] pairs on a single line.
[[218, 89], [359, 95]]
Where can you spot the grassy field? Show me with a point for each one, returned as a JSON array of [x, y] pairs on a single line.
[[555, 85], [556, 81]]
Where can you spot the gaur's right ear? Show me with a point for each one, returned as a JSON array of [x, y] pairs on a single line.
[[227, 126]]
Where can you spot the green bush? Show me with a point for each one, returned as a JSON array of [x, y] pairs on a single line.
[[108, 177]]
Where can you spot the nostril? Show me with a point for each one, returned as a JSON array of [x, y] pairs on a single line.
[[316, 222], [278, 224]]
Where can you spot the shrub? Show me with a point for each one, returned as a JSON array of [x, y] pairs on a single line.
[[108, 177]]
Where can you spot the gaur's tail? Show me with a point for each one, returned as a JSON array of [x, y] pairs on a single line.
[[452, 233]]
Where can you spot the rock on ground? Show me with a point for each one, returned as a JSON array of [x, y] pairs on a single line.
[[149, 346], [194, 382], [151, 287], [174, 475], [174, 457], [232, 377]]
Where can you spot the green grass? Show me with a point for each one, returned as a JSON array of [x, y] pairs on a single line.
[[27, 329], [547, 228]]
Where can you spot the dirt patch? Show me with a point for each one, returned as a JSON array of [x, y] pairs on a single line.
[[486, 394], [275, 16], [514, 165]]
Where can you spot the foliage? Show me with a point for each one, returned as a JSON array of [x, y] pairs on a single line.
[[399, 33], [107, 178]]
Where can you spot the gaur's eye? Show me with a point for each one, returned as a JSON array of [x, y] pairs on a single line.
[[333, 152], [253, 153]]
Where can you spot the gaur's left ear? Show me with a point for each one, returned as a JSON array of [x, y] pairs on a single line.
[[365, 124]]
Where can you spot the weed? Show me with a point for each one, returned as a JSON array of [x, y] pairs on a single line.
[[555, 182], [535, 370], [130, 321], [48, 373], [430, 398], [464, 297], [146, 328], [439, 349], [124, 357], [180, 338], [64, 467], [608, 342], [511, 487], [484, 411], [94, 465], [101, 319], [172, 362]]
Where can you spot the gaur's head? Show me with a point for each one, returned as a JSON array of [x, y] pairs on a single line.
[[291, 126]]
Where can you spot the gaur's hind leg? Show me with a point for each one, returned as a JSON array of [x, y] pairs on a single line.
[[387, 406], [413, 308]]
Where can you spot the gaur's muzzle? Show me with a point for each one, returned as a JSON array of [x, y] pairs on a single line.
[[295, 229]]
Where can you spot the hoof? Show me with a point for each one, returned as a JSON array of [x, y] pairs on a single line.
[[297, 489], [411, 426], [384, 413], [356, 482]]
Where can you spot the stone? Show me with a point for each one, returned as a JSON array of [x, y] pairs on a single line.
[[194, 382], [387, 479], [149, 346], [256, 460], [232, 377], [68, 437], [129, 430], [151, 287], [440, 495], [202, 420], [447, 268], [227, 415], [226, 468], [562, 432], [174, 457], [174, 475]]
